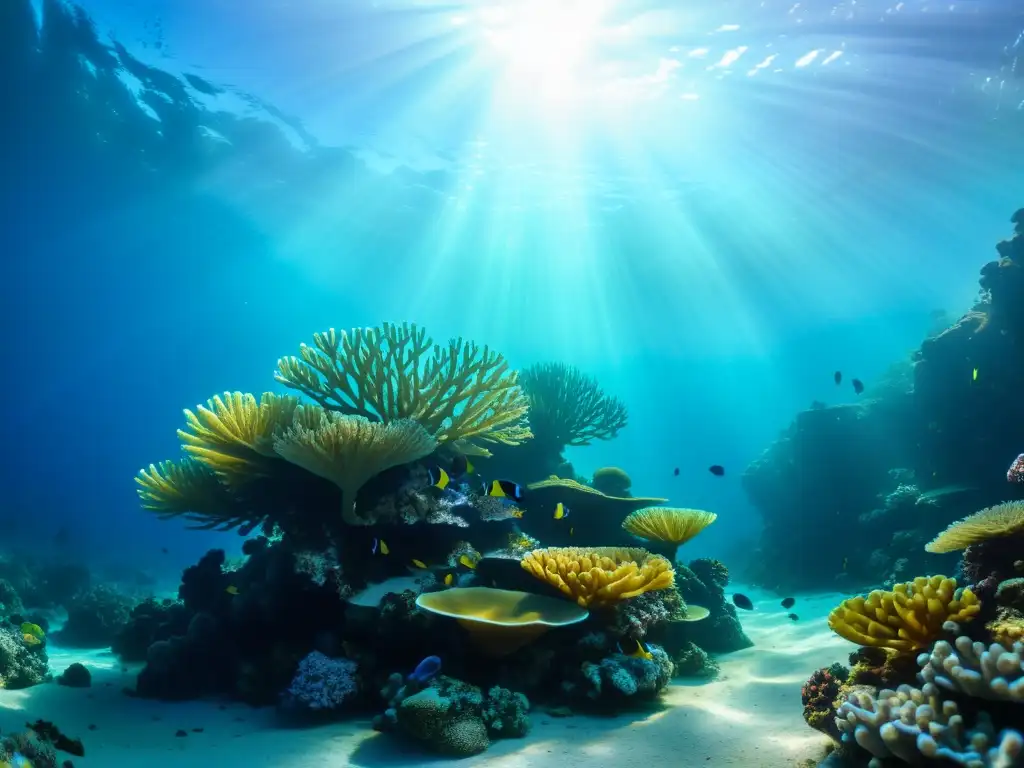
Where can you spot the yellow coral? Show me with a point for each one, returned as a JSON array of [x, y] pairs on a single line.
[[461, 392], [1006, 519], [234, 435], [668, 524], [601, 576], [349, 450], [1007, 627], [191, 490], [906, 619]]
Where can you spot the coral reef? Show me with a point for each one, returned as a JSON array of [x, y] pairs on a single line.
[[702, 583], [22, 663], [908, 618], [568, 407], [95, 617], [321, 685], [600, 576]]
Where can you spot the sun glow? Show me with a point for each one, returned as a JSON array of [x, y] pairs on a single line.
[[544, 45]]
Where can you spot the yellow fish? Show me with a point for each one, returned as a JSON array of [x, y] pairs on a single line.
[[419, 563], [516, 512], [467, 561], [505, 489], [379, 545], [439, 478], [448, 579], [974, 377], [561, 511], [232, 590], [630, 646]]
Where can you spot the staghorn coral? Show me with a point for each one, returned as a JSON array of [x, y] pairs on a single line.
[[908, 618], [915, 725], [459, 393], [567, 407], [234, 435], [612, 481], [602, 576], [349, 450], [994, 672], [1002, 520], [668, 524]]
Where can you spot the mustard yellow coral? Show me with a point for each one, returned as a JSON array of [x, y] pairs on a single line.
[[458, 392], [906, 619], [233, 434], [668, 524], [349, 450], [193, 491], [601, 576], [1006, 519]]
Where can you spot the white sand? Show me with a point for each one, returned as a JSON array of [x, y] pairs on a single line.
[[750, 716]]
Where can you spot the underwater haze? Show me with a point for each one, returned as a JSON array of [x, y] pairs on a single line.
[[732, 250]]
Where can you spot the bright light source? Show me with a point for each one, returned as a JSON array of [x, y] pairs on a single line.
[[544, 43]]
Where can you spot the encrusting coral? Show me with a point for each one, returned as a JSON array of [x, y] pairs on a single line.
[[601, 576], [908, 618], [349, 450], [460, 392], [567, 407], [1002, 520], [668, 524]]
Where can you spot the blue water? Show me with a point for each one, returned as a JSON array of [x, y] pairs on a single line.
[[709, 209]]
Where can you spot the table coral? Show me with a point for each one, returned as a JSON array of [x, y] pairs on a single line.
[[668, 524], [602, 576], [908, 618], [1000, 521]]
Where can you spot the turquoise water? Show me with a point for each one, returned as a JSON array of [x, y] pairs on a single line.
[[705, 212]]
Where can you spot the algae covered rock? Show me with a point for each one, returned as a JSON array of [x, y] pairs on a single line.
[[450, 717]]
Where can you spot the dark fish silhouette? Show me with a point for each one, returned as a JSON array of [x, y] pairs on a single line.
[[789, 602], [793, 617], [742, 601], [838, 376], [675, 472], [858, 386], [717, 470]]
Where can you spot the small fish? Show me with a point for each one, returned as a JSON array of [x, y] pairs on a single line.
[[792, 617], [516, 512], [419, 563], [858, 385], [675, 472], [838, 376], [426, 669], [449, 579], [231, 589], [505, 489], [789, 602], [379, 545], [717, 470], [630, 646], [742, 601], [467, 561], [438, 478], [974, 376], [461, 465], [561, 511]]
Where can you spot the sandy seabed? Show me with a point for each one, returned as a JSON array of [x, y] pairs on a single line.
[[750, 716]]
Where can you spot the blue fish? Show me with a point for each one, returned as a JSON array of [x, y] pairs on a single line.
[[426, 669]]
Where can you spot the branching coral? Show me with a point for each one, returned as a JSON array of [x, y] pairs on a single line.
[[193, 491], [461, 392], [567, 407], [1002, 520], [668, 524], [349, 450], [234, 435], [994, 672], [908, 618], [600, 576], [915, 725]]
